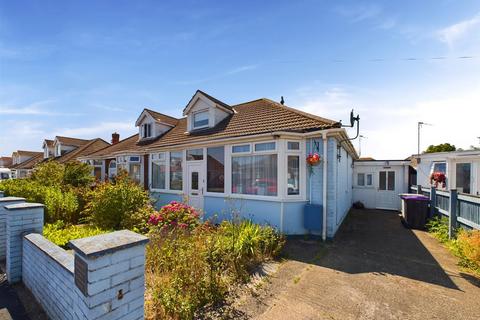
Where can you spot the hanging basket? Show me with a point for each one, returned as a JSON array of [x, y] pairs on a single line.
[[438, 179], [313, 159]]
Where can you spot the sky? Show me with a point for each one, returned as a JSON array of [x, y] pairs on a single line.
[[88, 68]]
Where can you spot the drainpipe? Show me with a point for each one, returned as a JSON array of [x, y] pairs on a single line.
[[324, 207]]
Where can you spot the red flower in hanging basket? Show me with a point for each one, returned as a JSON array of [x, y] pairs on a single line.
[[313, 159], [438, 178]]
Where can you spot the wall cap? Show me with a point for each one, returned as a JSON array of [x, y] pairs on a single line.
[[59, 255], [96, 246], [7, 199], [23, 206]]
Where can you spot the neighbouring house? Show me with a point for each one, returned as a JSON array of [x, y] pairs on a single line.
[[5, 162], [250, 156], [24, 161], [65, 149], [461, 168], [378, 183]]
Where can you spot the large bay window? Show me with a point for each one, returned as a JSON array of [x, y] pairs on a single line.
[[176, 170], [255, 174], [112, 169], [216, 169], [159, 166]]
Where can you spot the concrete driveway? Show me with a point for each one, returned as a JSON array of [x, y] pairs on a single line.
[[375, 269]]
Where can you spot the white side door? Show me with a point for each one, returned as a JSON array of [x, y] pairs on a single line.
[[387, 194], [195, 185]]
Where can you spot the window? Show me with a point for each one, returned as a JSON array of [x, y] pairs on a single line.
[[147, 130], [176, 171], [200, 119], [463, 177], [112, 169], [386, 180], [135, 172], [134, 159], [216, 169], [293, 175], [59, 150], [194, 180], [159, 168], [369, 179], [97, 173], [293, 145], [439, 167], [265, 146], [255, 175], [194, 154], [361, 179], [241, 148]]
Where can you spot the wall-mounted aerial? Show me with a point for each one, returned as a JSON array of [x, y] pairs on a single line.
[[353, 119]]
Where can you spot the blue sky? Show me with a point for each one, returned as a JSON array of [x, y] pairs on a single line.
[[88, 68]]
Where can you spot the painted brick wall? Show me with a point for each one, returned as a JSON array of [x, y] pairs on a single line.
[[331, 185], [5, 201], [48, 274]]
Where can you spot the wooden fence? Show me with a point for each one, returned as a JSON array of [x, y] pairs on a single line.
[[461, 209]]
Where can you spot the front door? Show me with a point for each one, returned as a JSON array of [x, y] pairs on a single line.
[[387, 195], [195, 185]]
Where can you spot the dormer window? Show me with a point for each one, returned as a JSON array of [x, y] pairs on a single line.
[[146, 130], [200, 120]]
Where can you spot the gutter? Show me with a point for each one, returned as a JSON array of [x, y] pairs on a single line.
[[324, 207]]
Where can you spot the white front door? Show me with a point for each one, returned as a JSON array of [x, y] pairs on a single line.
[[387, 195], [195, 185]]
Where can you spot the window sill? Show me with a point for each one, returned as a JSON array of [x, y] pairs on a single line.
[[166, 191]]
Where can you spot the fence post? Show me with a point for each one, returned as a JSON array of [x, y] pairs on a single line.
[[109, 275], [419, 189], [22, 219], [452, 217], [433, 200]]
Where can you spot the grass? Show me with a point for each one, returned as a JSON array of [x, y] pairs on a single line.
[[466, 245], [186, 270]]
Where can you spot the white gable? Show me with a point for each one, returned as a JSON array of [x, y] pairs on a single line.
[[201, 104], [157, 128]]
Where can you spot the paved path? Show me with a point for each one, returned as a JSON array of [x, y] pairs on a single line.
[[10, 305], [375, 269]]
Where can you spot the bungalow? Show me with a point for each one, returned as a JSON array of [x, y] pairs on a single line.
[[5, 162], [24, 161], [65, 149], [461, 168], [246, 159]]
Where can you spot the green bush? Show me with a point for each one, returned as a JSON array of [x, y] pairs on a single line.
[[58, 205], [65, 176], [187, 269], [439, 228], [119, 205], [60, 234]]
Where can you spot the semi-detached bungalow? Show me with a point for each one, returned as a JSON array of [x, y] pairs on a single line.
[[249, 156]]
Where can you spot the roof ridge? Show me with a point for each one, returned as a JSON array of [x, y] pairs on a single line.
[[259, 99], [163, 114], [72, 138]]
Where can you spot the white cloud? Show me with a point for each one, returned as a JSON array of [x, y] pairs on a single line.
[[458, 31], [35, 108]]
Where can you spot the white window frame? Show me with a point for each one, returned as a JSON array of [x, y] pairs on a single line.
[[365, 186], [160, 158], [203, 154], [184, 172], [250, 149], [110, 176], [207, 112], [274, 150], [125, 160], [303, 176]]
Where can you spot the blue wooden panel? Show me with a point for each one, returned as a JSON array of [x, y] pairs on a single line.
[[313, 217]]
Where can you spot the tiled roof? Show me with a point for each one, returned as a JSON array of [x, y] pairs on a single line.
[[85, 150], [162, 117], [27, 153], [30, 163], [49, 143], [129, 144], [7, 161], [250, 118], [67, 141]]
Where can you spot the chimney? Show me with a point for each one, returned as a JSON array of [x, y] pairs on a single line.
[[282, 102], [115, 138]]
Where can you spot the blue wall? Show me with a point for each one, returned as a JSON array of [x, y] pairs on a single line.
[[315, 178], [164, 198]]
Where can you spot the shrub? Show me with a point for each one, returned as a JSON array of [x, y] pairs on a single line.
[[60, 234], [65, 176], [439, 228], [468, 243], [173, 215], [189, 268], [78, 174], [123, 204], [58, 205], [50, 173]]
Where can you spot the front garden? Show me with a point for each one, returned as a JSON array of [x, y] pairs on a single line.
[[190, 263], [466, 244]]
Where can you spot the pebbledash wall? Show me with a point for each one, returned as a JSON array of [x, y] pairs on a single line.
[[102, 279], [287, 216]]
